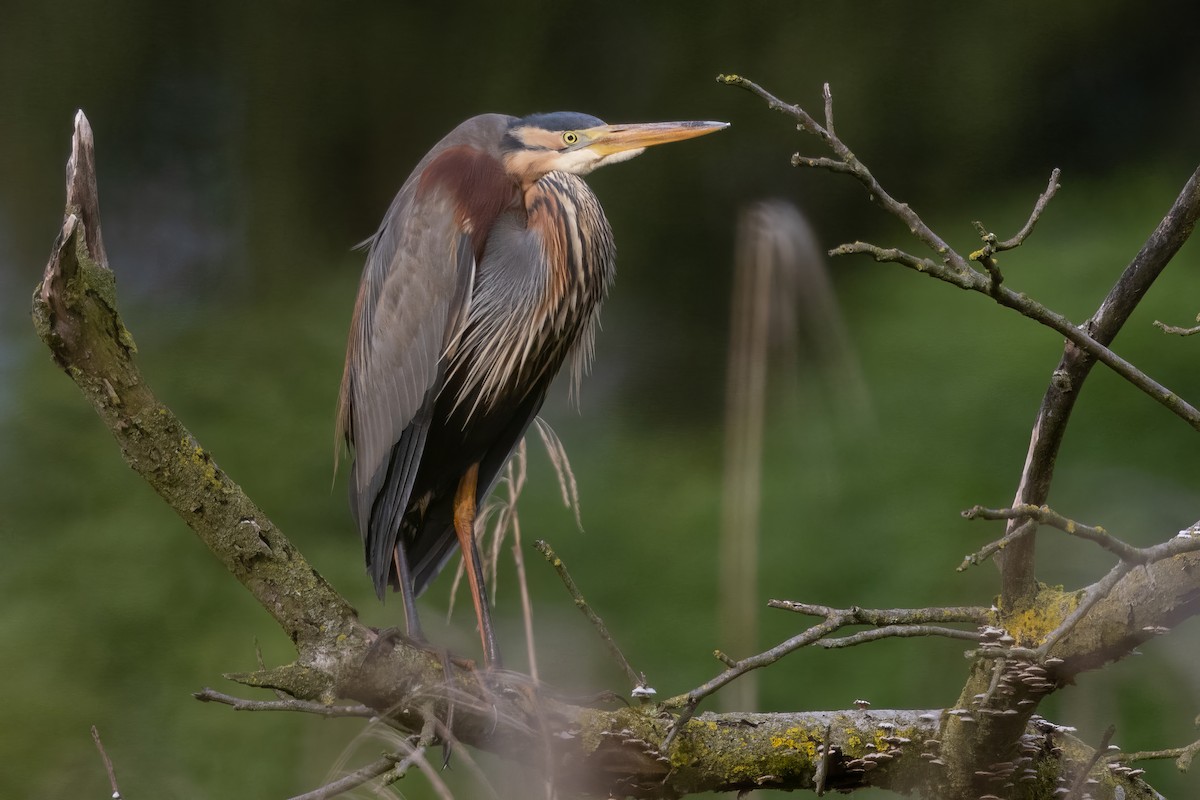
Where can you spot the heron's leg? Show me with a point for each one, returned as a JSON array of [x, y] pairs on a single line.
[[412, 622], [464, 526]]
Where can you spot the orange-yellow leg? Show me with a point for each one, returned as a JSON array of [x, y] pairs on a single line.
[[464, 525]]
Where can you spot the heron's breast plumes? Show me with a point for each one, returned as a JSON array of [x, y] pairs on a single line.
[[536, 296]]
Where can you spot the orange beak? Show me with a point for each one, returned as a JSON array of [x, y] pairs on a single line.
[[609, 139]]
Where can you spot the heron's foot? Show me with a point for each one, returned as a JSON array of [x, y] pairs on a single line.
[[386, 640]]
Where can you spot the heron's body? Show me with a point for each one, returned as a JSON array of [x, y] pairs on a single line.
[[487, 272]]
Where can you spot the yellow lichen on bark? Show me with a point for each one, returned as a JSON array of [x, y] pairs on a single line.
[[1030, 623]]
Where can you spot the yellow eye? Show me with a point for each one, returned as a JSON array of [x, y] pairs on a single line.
[[570, 137]]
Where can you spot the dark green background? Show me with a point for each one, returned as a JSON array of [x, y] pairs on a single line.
[[244, 148]]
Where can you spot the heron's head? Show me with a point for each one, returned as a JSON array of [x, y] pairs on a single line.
[[566, 141]]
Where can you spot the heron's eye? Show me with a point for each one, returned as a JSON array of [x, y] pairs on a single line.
[[570, 137]]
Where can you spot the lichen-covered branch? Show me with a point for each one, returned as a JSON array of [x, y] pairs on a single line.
[[888, 623]]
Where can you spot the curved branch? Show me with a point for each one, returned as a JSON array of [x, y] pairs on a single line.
[[75, 315]]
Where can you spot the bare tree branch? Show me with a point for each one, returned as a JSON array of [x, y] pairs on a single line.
[[1067, 379], [1077, 787], [1178, 331], [638, 679], [990, 549], [894, 620], [207, 695], [992, 735], [108, 765], [1038, 208], [357, 778], [1086, 344], [1183, 756], [897, 632], [1184, 542]]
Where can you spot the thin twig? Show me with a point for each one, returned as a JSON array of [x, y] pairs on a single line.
[[357, 778], [1019, 302], [856, 168], [1095, 592], [1165, 328], [691, 700], [991, 246], [108, 765], [985, 257], [889, 616], [1183, 755], [207, 695], [898, 632], [822, 770], [827, 95], [990, 549], [725, 658], [1183, 543], [637, 679], [887, 255], [1038, 207], [1097, 754]]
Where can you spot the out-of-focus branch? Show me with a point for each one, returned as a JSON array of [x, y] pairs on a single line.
[[207, 695], [638, 679], [1183, 756], [360, 776], [108, 765]]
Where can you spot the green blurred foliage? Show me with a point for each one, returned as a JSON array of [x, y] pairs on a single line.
[[244, 148]]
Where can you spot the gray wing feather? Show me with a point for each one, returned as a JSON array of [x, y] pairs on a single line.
[[416, 285]]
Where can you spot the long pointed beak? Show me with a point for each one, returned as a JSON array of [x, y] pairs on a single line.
[[609, 139]]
